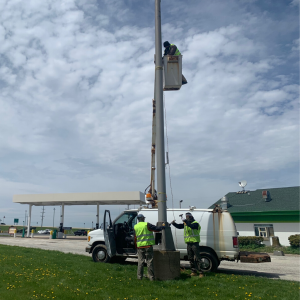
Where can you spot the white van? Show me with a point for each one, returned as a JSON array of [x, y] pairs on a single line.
[[219, 239]]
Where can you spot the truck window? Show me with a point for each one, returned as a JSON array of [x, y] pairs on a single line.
[[129, 217]]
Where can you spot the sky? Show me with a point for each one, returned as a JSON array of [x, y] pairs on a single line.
[[76, 90]]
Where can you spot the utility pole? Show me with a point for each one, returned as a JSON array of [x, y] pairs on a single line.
[[43, 212], [162, 262], [167, 238]]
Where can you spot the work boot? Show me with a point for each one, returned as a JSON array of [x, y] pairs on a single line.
[[193, 274], [201, 275]]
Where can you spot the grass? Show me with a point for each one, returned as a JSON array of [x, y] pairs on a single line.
[[28, 273], [270, 249]]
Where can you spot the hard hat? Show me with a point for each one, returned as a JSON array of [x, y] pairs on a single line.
[[140, 216], [188, 214], [166, 44]]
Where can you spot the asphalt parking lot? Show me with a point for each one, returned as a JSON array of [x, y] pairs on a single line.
[[282, 267]]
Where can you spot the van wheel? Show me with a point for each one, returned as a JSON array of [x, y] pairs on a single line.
[[209, 262], [100, 254]]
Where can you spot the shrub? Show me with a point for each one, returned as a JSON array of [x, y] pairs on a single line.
[[294, 240], [250, 240]]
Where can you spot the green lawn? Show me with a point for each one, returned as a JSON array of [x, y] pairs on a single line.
[[28, 273], [270, 249]]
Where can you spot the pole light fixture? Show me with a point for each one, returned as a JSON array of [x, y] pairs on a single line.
[[180, 203]]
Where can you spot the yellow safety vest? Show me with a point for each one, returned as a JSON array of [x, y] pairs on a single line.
[[144, 237], [177, 52], [192, 235]]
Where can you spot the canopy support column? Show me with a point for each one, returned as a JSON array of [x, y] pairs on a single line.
[[61, 225], [28, 220], [97, 220]]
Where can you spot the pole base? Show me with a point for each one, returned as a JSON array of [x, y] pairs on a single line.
[[166, 264]]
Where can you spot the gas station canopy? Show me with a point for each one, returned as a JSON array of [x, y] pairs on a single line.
[[103, 198]]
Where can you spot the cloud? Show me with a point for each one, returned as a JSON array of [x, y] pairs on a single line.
[[76, 81]]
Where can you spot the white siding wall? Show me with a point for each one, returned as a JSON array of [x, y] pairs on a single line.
[[282, 230]]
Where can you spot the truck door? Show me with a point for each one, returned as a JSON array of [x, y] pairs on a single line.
[[109, 235]]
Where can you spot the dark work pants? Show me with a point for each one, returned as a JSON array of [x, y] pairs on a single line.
[[194, 258]]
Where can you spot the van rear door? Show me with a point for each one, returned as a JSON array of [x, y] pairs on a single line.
[[109, 235]]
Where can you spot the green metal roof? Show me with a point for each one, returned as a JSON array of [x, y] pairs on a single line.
[[279, 199]]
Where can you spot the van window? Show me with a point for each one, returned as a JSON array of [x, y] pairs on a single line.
[[129, 217]]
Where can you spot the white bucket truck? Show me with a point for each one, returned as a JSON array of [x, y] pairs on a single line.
[[219, 238]]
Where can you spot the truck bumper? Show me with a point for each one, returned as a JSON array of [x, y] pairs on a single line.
[[88, 249]]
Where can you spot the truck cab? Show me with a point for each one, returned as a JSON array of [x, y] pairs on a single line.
[[116, 240]]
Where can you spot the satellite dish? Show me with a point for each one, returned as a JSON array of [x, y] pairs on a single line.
[[242, 184]]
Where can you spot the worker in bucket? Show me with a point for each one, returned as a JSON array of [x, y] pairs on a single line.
[[171, 49], [192, 239], [144, 239]]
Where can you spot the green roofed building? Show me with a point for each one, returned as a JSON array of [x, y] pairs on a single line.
[[265, 212]]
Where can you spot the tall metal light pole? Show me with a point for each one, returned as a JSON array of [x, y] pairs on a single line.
[[167, 238], [180, 203], [166, 267]]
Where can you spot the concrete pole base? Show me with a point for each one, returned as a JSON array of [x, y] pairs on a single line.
[[166, 264]]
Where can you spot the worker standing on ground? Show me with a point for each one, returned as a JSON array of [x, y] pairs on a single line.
[[171, 49], [143, 236], [192, 239]]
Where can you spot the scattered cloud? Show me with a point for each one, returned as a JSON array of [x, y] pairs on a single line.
[[76, 89]]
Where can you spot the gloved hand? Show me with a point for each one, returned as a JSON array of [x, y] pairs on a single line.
[[184, 221], [173, 222]]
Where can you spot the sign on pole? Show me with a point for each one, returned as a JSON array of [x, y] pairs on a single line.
[[16, 221]]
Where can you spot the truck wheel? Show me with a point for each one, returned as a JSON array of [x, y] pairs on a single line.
[[209, 262], [100, 254]]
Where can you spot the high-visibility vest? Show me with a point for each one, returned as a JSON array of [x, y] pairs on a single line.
[[144, 237], [192, 235], [177, 52]]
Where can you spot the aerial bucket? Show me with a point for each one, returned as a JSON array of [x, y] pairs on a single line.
[[172, 72]]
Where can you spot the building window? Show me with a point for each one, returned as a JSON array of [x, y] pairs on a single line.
[[264, 230]]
